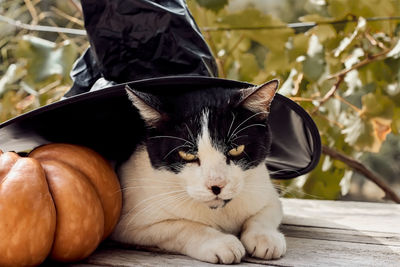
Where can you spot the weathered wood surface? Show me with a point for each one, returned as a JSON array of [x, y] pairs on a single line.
[[319, 233]]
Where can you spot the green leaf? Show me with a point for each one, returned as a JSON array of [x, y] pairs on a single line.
[[358, 132], [314, 18], [46, 59], [299, 46], [314, 67], [322, 184], [376, 72], [323, 32], [274, 39], [365, 133], [248, 67], [377, 105], [259, 51], [277, 63], [396, 121], [339, 9], [13, 74]]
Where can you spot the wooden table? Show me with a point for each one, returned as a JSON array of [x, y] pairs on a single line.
[[319, 233]]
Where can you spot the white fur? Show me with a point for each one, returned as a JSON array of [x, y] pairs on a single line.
[[174, 211], [150, 115]]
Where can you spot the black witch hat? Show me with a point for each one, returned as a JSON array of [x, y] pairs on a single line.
[[156, 47]]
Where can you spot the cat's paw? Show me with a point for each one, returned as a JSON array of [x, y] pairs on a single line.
[[264, 244], [226, 249]]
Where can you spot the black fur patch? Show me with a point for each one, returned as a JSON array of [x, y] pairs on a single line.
[[229, 126]]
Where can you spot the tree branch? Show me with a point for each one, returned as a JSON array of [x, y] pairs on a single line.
[[29, 27], [218, 60], [295, 25], [360, 64], [361, 168], [339, 76], [330, 93]]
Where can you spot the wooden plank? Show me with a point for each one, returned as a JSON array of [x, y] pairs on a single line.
[[345, 235], [314, 252], [301, 252], [122, 257], [377, 217], [319, 233]]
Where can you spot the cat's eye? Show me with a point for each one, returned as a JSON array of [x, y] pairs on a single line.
[[187, 156], [234, 152]]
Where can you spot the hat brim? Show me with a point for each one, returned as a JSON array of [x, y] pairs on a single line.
[[105, 121]]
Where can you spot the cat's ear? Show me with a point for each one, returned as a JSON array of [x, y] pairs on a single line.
[[258, 99], [146, 105]]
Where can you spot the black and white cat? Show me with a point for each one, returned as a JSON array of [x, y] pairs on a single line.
[[198, 185]]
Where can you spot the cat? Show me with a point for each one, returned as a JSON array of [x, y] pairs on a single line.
[[198, 185]]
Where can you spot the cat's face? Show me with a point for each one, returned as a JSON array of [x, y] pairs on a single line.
[[213, 145]]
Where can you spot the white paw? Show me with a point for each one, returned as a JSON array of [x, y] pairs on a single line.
[[224, 249], [264, 244]]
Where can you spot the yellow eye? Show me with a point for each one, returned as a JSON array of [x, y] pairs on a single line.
[[187, 156], [236, 151]]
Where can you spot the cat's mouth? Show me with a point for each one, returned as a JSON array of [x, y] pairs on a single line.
[[218, 203]]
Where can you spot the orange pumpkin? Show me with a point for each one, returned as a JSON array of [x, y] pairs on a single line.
[[61, 201]]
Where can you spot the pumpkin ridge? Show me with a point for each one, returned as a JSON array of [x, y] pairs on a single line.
[[62, 251], [27, 195], [5, 169], [99, 172]]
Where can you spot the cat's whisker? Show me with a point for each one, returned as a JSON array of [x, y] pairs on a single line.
[[190, 133], [279, 186], [183, 203], [174, 149], [174, 204], [257, 187], [143, 201], [159, 204], [237, 137], [254, 191], [249, 126], [284, 170], [148, 186], [247, 164], [243, 122], [282, 189], [247, 155], [201, 193], [292, 191], [172, 137], [230, 127], [157, 180]]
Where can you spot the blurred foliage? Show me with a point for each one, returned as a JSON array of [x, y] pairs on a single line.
[[346, 75], [35, 65]]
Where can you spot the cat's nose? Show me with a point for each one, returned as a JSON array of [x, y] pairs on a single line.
[[215, 184], [216, 190]]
